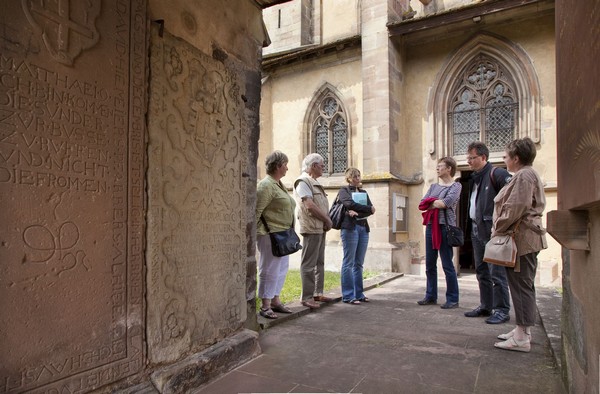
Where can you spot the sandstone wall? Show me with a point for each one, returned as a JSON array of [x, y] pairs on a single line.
[[579, 190], [73, 104], [203, 129], [128, 145]]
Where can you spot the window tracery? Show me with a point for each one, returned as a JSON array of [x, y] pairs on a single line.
[[483, 107], [330, 133]]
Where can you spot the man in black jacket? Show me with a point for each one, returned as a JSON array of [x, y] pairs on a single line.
[[485, 183]]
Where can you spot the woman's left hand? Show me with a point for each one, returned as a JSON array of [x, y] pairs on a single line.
[[352, 213]]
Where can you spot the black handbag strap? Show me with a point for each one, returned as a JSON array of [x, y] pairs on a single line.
[[337, 197], [265, 223], [267, 226], [445, 209]]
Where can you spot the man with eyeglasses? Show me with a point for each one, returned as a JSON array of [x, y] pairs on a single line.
[[314, 222], [484, 184]]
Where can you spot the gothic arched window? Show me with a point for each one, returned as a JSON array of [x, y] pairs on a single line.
[[483, 107], [329, 130], [487, 91]]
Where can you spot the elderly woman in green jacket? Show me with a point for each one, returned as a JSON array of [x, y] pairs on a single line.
[[518, 208], [276, 207]]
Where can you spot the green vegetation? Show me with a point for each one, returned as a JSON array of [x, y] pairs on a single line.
[[293, 285]]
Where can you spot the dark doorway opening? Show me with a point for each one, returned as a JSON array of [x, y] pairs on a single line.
[[465, 256]]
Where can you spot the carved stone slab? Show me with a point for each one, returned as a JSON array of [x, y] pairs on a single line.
[[197, 200], [72, 106]]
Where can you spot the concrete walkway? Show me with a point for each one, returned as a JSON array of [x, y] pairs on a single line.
[[393, 345]]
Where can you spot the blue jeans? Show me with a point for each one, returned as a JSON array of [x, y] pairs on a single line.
[[355, 244], [431, 255], [493, 282]]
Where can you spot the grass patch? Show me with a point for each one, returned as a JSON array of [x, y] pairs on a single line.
[[292, 288]]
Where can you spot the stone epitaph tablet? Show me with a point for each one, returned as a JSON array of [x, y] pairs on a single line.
[[197, 199], [72, 106]]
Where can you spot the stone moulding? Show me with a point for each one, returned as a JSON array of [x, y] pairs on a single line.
[[202, 367]]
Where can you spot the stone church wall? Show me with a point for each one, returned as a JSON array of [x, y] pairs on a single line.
[[394, 121], [128, 145], [424, 62], [579, 191]]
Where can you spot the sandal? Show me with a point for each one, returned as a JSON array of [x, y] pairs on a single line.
[[513, 344], [353, 302], [280, 308], [268, 313], [364, 299]]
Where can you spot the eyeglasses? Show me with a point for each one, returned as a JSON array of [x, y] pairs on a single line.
[[471, 158]]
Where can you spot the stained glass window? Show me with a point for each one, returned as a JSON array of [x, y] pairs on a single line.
[[483, 107], [330, 134]]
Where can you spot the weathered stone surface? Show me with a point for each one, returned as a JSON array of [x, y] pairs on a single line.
[[142, 388], [578, 146], [72, 106], [197, 199], [198, 369]]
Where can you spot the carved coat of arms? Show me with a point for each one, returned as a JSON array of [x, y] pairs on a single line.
[[67, 27]]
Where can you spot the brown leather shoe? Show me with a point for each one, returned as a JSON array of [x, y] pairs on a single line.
[[311, 304], [323, 299]]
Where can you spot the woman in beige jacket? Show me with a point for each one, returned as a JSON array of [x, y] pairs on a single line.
[[518, 207]]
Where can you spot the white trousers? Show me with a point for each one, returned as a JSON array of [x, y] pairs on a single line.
[[272, 270]]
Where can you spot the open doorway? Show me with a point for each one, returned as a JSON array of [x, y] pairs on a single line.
[[465, 254]]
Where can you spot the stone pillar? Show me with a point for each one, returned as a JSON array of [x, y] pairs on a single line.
[[376, 85], [382, 80], [203, 134]]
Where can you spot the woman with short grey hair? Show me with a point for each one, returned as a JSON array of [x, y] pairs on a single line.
[[276, 207]]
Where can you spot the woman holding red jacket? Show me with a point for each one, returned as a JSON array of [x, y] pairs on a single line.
[[438, 205]]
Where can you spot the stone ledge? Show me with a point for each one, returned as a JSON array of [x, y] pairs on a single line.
[[205, 366], [549, 304], [299, 310]]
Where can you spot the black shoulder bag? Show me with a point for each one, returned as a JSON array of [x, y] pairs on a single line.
[[454, 234], [284, 242], [337, 213]]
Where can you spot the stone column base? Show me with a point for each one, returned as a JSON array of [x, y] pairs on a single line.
[[202, 367]]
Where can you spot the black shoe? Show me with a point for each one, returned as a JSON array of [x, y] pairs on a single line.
[[478, 312], [427, 301], [497, 318], [449, 305]]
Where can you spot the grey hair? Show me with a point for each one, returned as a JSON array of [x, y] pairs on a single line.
[[274, 161], [310, 160]]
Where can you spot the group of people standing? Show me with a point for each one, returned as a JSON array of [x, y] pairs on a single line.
[[499, 203], [275, 207]]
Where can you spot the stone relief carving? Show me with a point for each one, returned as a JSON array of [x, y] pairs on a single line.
[[66, 27], [197, 204]]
